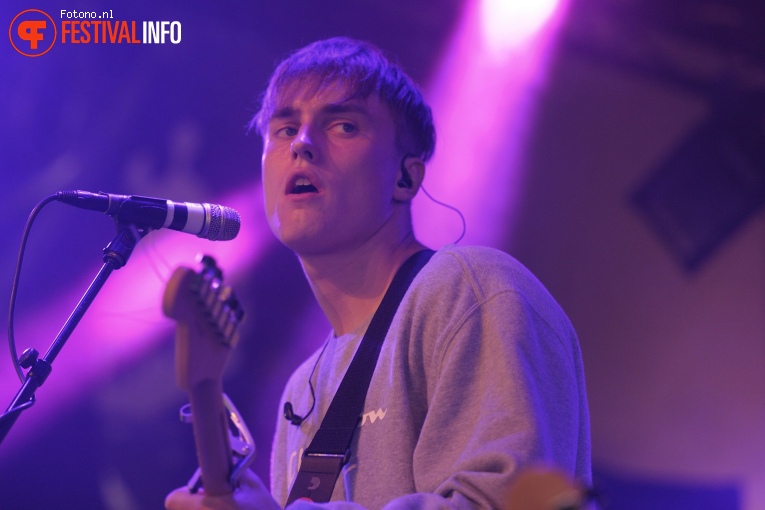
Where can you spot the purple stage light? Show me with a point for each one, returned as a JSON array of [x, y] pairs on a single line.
[[125, 321], [483, 96]]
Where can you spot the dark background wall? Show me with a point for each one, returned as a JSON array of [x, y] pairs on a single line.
[[638, 207]]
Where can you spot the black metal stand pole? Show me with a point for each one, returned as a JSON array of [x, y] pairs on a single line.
[[116, 255]]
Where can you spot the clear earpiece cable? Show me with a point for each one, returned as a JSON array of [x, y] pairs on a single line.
[[462, 217]]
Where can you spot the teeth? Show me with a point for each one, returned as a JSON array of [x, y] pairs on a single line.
[[303, 185]]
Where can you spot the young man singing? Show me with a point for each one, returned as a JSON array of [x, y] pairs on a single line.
[[479, 374]]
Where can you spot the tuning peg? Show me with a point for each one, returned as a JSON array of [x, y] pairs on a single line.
[[209, 265]]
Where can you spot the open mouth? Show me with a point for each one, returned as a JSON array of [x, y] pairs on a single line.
[[301, 186]]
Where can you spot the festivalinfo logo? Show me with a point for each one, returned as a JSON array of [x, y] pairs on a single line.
[[34, 32]]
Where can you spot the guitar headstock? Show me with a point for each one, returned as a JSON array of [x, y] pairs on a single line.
[[208, 314]]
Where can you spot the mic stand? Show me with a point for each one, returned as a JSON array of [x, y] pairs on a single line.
[[116, 255]]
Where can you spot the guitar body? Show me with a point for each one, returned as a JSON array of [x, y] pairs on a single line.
[[207, 315]]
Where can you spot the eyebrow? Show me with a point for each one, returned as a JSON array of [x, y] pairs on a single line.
[[345, 107], [283, 113], [350, 106]]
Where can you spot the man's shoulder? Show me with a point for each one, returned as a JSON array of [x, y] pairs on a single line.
[[486, 270], [478, 257], [466, 276]]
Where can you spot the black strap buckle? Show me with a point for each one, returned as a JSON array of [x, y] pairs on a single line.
[[316, 478]]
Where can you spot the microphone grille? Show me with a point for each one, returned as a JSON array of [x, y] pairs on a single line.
[[224, 223]]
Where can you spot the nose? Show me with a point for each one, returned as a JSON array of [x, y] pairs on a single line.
[[303, 147]]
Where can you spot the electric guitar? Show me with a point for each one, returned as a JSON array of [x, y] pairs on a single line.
[[208, 314]]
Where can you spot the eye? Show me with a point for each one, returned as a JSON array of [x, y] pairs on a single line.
[[346, 128], [288, 131], [282, 128]]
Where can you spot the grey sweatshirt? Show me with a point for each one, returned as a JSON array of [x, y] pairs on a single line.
[[480, 375]]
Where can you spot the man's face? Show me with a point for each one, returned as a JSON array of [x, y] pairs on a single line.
[[329, 170]]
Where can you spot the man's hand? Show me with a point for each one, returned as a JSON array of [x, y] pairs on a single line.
[[252, 494]]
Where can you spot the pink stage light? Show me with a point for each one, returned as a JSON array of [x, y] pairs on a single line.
[[125, 321], [483, 98], [481, 95], [512, 24]]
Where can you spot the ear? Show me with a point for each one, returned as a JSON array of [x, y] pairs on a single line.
[[409, 178]]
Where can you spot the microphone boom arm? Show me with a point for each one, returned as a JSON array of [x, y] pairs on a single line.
[[116, 255]]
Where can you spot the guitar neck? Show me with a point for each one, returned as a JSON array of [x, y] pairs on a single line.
[[211, 436], [207, 315]]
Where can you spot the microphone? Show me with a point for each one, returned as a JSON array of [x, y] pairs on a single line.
[[290, 416], [208, 221]]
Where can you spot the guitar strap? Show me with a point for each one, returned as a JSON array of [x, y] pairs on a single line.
[[329, 450]]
